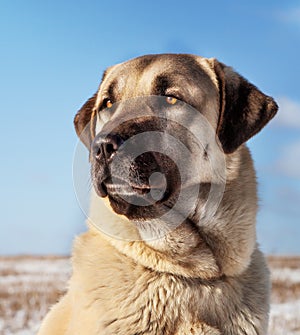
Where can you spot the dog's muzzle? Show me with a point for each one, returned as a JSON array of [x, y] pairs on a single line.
[[123, 175]]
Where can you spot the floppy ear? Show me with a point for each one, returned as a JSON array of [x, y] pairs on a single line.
[[84, 121], [244, 110]]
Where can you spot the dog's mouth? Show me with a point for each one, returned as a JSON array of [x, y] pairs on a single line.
[[147, 184], [154, 191], [116, 185]]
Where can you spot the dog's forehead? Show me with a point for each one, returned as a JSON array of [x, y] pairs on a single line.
[[137, 76]]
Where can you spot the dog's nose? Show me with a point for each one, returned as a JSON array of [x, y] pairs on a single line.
[[106, 146]]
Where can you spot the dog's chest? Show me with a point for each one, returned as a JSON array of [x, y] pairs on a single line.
[[121, 297]]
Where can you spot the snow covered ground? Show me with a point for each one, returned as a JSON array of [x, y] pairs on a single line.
[[29, 285], [285, 308]]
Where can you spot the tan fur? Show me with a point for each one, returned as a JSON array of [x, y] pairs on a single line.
[[217, 283], [101, 265]]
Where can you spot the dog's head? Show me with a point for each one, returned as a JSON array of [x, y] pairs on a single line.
[[142, 106]]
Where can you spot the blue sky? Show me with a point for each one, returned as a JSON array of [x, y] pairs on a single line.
[[53, 54]]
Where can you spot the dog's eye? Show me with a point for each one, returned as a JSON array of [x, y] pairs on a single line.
[[171, 100], [107, 103]]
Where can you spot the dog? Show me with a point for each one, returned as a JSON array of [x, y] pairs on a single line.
[[144, 267]]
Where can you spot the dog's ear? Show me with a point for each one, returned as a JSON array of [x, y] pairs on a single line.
[[244, 110], [84, 121]]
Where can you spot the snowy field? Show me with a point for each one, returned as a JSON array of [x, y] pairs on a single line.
[[28, 286]]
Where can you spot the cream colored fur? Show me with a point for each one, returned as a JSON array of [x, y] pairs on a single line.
[[204, 277], [120, 287]]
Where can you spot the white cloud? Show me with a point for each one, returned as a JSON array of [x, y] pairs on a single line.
[[289, 161], [288, 114], [291, 15]]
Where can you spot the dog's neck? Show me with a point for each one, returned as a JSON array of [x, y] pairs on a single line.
[[195, 261]]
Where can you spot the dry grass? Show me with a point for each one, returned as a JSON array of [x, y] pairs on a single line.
[[282, 292], [285, 298], [291, 262], [29, 285], [284, 286]]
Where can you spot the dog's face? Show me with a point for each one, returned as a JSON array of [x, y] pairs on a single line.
[[136, 122]]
